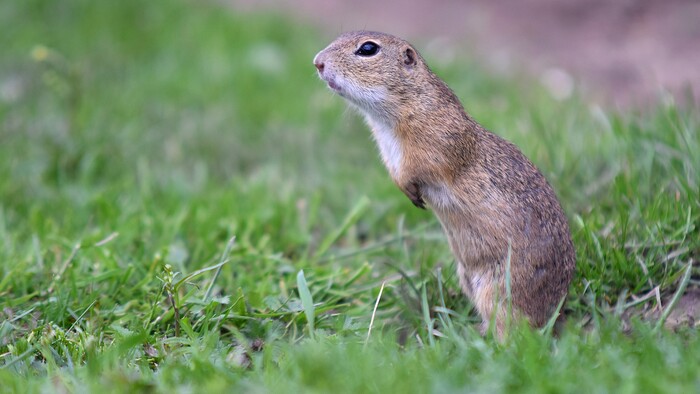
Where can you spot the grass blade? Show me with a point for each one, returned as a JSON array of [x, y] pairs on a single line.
[[676, 297], [374, 312], [306, 301], [197, 273], [224, 259], [350, 219], [426, 316]]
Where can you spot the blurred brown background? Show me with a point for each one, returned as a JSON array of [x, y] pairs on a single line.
[[627, 52]]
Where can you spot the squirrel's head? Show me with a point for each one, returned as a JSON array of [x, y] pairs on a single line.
[[372, 70]]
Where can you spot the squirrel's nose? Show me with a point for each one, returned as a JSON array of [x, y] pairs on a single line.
[[319, 66]]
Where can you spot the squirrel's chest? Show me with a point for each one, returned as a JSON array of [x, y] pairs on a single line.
[[389, 145]]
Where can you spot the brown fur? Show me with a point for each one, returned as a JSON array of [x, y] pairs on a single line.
[[488, 196]]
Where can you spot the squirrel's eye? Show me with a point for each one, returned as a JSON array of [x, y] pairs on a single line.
[[367, 49]]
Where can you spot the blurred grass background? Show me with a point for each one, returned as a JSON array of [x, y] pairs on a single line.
[[138, 138]]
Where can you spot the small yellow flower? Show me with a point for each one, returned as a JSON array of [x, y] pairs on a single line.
[[40, 53]]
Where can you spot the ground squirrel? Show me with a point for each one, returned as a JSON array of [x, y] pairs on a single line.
[[491, 200]]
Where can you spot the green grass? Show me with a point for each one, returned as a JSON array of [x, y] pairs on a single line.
[[137, 139]]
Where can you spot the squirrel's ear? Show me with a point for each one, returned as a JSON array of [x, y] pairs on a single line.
[[409, 57]]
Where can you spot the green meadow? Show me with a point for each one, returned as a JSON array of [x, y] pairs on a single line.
[[185, 207]]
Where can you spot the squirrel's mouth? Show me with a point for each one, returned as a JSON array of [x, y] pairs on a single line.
[[332, 84]]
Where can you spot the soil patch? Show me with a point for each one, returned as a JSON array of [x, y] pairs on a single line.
[[627, 52]]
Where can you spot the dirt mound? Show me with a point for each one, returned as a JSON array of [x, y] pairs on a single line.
[[624, 52]]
